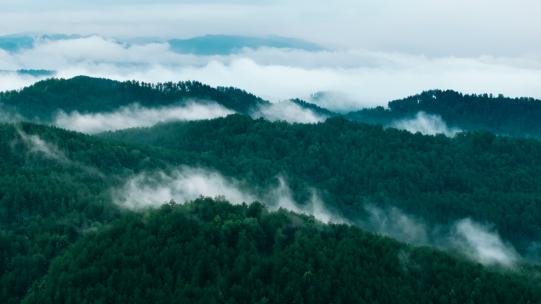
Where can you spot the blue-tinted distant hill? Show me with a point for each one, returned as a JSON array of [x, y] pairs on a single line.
[[227, 44], [13, 43], [18, 42]]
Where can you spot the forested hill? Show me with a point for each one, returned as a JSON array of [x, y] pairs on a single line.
[[498, 114], [59, 224], [42, 102], [213, 252], [477, 175], [44, 99]]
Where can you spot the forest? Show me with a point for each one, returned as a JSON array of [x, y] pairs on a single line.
[[440, 179], [498, 114], [65, 238], [212, 252]]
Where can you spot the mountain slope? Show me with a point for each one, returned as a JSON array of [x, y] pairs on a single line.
[[44, 99], [497, 114], [56, 186], [212, 252], [442, 180]]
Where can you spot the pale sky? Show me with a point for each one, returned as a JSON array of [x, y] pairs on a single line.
[[430, 27]]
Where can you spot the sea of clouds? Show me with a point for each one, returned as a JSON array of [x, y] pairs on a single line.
[[359, 77]]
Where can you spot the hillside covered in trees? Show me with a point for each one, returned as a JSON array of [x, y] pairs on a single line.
[[497, 114], [479, 175], [44, 99], [330, 195], [213, 252]]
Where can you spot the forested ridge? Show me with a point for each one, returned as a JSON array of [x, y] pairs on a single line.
[[213, 252], [44, 99], [441, 179], [498, 114], [64, 237]]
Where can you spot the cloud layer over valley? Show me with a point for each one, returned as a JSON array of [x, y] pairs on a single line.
[[137, 116], [360, 77]]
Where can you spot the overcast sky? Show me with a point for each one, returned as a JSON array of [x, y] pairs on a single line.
[[430, 27], [380, 49]]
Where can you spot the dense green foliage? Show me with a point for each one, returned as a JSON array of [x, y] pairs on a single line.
[[51, 194], [213, 252], [498, 114], [62, 239], [42, 100], [478, 175]]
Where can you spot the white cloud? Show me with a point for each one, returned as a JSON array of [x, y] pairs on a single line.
[[466, 236], [356, 77], [282, 197], [136, 116], [427, 124], [395, 223], [37, 145], [288, 111], [186, 184], [151, 190], [483, 245], [419, 26]]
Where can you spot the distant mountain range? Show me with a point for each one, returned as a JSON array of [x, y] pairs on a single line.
[[226, 44], [202, 45]]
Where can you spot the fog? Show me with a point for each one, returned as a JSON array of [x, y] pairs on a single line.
[[482, 244], [136, 116], [151, 190], [428, 124], [360, 77], [478, 242], [475, 241], [37, 145], [288, 111], [485, 27]]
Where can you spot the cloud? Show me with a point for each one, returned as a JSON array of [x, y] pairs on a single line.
[[7, 116], [151, 190], [37, 145], [395, 223], [416, 26], [185, 184], [136, 116], [287, 111], [281, 198], [355, 77], [465, 236], [427, 124], [483, 245]]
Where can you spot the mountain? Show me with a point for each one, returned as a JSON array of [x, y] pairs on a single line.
[[436, 179], [230, 44], [299, 212], [213, 252], [497, 114], [20, 42], [14, 43], [42, 101]]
